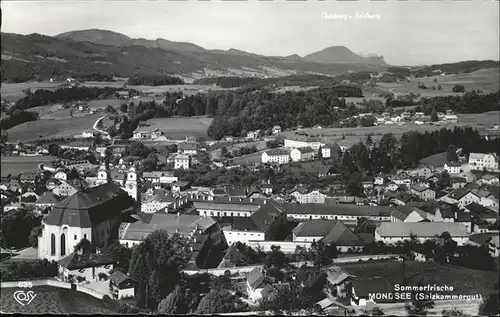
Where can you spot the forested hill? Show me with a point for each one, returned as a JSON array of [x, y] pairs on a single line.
[[238, 113], [35, 56]]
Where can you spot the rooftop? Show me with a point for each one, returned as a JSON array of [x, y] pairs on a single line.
[[421, 229]]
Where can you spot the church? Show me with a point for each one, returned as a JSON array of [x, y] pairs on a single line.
[[91, 213], [128, 181]]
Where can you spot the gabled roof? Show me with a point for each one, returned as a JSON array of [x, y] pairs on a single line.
[[306, 149], [265, 215], [276, 152], [481, 211], [189, 146], [338, 209], [48, 198], [403, 212], [482, 238], [341, 235], [365, 286], [460, 193], [463, 216], [118, 277], [316, 228], [256, 277], [420, 188], [489, 177]]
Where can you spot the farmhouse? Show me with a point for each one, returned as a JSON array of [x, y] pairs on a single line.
[[276, 129], [278, 156], [458, 182], [481, 161], [258, 285], [488, 179], [423, 192], [330, 151], [243, 230], [93, 214], [452, 167], [489, 240], [187, 148], [121, 285], [303, 154], [391, 233]]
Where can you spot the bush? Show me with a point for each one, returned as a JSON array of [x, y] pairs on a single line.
[[19, 271], [108, 302]]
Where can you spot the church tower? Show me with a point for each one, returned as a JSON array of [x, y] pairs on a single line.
[[131, 183], [102, 175]]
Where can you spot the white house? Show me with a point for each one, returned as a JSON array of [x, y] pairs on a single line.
[[450, 118], [391, 233], [79, 266], [309, 197], [480, 161], [276, 129], [61, 175], [298, 142], [488, 179], [303, 154], [424, 192], [182, 162], [187, 148], [121, 285], [88, 134], [452, 167], [278, 156], [258, 285]]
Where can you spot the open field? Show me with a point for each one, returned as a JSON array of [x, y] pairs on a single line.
[[487, 80], [14, 92], [53, 300], [481, 122], [180, 128], [249, 159], [186, 89], [17, 164], [51, 128], [435, 160], [471, 282]]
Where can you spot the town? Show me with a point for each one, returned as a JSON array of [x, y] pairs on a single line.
[[145, 176]]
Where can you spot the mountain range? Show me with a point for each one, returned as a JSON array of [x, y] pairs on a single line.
[[107, 52]]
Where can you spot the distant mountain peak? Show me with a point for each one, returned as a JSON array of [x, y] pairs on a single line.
[[341, 54], [294, 57]]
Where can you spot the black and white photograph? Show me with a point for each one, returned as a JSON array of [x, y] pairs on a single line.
[[250, 158]]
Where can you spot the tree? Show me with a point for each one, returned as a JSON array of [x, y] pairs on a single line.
[[434, 116], [221, 283], [451, 153], [217, 302], [124, 108], [120, 254], [439, 87], [157, 262], [458, 88], [276, 258], [35, 233], [172, 304], [17, 226], [73, 174]]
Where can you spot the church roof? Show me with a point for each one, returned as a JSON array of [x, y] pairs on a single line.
[[75, 211]]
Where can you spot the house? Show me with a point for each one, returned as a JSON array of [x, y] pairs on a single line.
[[423, 192], [28, 177], [87, 134], [464, 197], [363, 288], [329, 232], [253, 134], [278, 156], [450, 118], [408, 213], [276, 129], [182, 162], [180, 186], [298, 141], [391, 233], [303, 154], [345, 212], [486, 198], [458, 182], [161, 177], [258, 284], [187, 148], [83, 266], [65, 189], [482, 161], [158, 202], [92, 213], [243, 230], [229, 208], [304, 196], [47, 200], [121, 285], [122, 94], [452, 167], [61, 175], [481, 214], [488, 179], [489, 240], [330, 151]]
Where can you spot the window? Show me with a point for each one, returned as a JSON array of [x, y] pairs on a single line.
[[63, 244], [75, 237], [85, 236], [52, 244]]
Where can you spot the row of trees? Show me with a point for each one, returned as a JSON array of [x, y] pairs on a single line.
[[17, 226], [17, 117], [154, 80], [455, 68]]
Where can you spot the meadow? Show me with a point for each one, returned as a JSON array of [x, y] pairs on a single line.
[[480, 121], [52, 300], [15, 165], [51, 128], [179, 128]]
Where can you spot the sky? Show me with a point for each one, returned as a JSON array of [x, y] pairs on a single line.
[[406, 33]]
